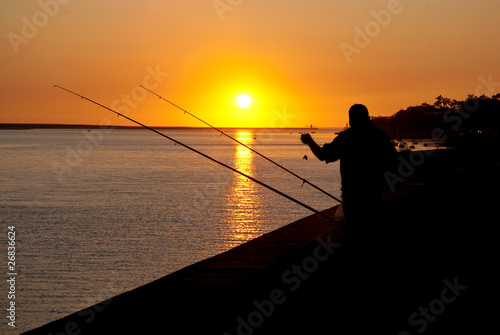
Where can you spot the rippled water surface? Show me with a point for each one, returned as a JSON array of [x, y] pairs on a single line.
[[99, 213]]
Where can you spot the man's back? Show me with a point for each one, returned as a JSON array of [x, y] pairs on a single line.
[[364, 153]]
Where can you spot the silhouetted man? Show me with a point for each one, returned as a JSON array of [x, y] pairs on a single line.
[[365, 153]]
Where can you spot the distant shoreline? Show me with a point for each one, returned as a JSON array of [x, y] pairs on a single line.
[[32, 126], [27, 126], [393, 135]]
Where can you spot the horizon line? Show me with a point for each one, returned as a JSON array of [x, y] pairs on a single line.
[[84, 126]]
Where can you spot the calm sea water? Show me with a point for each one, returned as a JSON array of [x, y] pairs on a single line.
[[98, 214]]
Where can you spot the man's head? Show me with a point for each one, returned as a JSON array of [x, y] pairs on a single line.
[[358, 116]]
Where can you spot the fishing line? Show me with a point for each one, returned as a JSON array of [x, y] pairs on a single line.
[[202, 154], [304, 181]]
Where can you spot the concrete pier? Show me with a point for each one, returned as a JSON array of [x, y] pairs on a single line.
[[428, 267]]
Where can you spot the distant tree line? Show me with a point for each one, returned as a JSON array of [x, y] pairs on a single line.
[[472, 117]]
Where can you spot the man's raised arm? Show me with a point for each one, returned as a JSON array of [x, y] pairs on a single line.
[[315, 148]]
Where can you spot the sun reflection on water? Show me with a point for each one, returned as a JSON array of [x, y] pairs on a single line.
[[243, 218]]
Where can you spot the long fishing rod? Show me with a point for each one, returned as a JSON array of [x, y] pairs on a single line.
[[304, 181], [202, 154]]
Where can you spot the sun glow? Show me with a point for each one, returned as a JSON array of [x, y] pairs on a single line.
[[218, 82], [244, 101]]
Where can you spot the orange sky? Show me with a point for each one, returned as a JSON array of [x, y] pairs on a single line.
[[301, 61]]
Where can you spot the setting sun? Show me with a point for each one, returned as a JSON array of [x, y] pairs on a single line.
[[244, 101]]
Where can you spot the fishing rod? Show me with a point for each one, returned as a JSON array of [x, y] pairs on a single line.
[[304, 181], [202, 154]]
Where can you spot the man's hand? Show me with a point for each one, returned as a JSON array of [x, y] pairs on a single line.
[[315, 148], [306, 138]]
